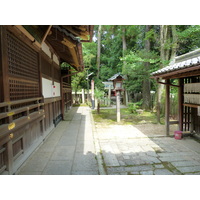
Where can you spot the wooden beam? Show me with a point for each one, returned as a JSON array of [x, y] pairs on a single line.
[[47, 32], [28, 35], [168, 84], [68, 43], [191, 105], [167, 106]]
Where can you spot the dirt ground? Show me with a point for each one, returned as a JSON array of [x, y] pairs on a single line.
[[155, 129]]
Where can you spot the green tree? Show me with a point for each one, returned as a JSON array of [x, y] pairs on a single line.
[[99, 94]]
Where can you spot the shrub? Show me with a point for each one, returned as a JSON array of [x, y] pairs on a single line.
[[132, 107]]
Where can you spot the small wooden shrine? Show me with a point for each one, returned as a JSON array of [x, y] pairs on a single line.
[[186, 69]]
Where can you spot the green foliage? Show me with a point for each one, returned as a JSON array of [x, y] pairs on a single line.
[[188, 38], [135, 57], [99, 94], [132, 107], [79, 81], [89, 54], [135, 68]]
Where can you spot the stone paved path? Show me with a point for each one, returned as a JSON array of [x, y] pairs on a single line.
[[69, 150], [78, 146], [127, 151]]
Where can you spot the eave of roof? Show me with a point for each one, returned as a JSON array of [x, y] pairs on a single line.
[[184, 63], [115, 76], [68, 45]]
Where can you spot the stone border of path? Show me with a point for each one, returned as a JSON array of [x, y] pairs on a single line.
[[97, 147]]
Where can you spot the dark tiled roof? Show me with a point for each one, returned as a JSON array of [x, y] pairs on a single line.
[[181, 62], [115, 76]]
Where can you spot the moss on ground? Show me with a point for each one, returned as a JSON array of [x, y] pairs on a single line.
[[108, 116]]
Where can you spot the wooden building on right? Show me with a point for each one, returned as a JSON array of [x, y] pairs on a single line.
[[186, 69]]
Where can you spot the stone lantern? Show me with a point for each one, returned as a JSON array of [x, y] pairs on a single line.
[[118, 87]]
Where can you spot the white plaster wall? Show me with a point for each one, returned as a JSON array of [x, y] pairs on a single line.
[[57, 89], [49, 90], [55, 59], [46, 49], [46, 88]]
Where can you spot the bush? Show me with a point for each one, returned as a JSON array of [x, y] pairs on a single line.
[[132, 107]]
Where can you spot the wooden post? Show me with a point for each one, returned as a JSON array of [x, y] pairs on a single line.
[[4, 80], [4, 93], [118, 105], [83, 96], [167, 106], [92, 88], [126, 98], [109, 95], [62, 99], [180, 104]]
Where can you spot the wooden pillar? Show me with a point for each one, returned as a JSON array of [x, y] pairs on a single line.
[[4, 79], [92, 88], [62, 99], [5, 93], [126, 98], [180, 104], [118, 105], [109, 95], [167, 106], [83, 96]]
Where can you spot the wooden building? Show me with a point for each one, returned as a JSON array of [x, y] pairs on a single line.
[[34, 90], [186, 69]]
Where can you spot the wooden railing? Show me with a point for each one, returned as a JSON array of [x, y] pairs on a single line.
[[15, 114]]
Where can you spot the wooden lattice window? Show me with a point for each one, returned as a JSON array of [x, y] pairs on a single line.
[[22, 60], [46, 66], [23, 89], [23, 67]]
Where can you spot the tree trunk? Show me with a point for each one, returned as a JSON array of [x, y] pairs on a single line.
[[124, 46], [159, 96], [166, 32], [163, 55], [98, 107], [174, 41], [146, 82], [98, 51]]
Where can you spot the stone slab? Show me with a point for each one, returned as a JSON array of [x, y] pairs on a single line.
[[185, 163], [146, 172], [58, 168], [84, 162], [91, 172], [36, 163], [162, 172], [189, 169], [63, 153]]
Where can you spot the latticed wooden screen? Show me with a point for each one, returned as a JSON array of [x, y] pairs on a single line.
[[46, 66], [23, 69]]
